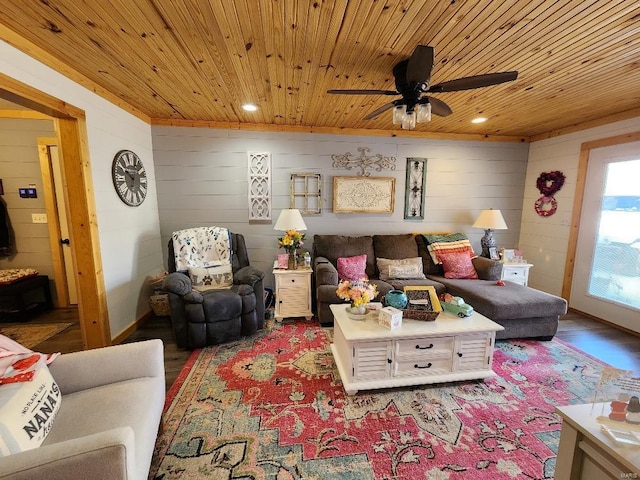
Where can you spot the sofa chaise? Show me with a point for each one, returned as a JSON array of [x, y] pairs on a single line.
[[524, 312]]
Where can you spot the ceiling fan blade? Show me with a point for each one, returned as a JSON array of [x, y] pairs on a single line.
[[378, 111], [420, 65], [476, 81], [438, 107], [364, 92]]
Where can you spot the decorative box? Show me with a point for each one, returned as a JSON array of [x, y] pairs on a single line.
[[390, 318]]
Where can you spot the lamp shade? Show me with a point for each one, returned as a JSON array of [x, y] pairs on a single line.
[[490, 219], [290, 219]]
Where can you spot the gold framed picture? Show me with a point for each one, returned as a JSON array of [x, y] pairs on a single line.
[[363, 194]]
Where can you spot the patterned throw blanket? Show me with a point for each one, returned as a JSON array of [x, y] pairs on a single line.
[[201, 247]]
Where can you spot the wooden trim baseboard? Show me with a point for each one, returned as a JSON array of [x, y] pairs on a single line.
[[605, 322], [126, 333]]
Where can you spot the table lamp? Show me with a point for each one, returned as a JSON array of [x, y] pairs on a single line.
[[290, 219], [489, 220]]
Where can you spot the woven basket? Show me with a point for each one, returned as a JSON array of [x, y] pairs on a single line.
[[160, 304], [421, 315]]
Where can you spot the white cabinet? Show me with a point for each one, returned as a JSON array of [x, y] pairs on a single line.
[[516, 272], [293, 293], [369, 356]]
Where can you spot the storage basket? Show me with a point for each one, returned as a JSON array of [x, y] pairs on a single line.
[[422, 315], [160, 304], [430, 305]]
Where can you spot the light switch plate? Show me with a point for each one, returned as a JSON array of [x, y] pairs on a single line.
[[39, 218]]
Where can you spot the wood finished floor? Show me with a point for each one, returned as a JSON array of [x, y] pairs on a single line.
[[617, 348]]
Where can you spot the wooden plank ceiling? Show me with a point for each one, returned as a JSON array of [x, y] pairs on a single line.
[[197, 60]]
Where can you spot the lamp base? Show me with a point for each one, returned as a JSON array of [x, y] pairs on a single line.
[[487, 242]]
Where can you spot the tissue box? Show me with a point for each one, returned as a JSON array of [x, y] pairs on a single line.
[[390, 318]]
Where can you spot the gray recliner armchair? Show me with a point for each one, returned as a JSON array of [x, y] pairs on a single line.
[[216, 316]]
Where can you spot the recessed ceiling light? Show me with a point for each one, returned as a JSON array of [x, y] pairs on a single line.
[[479, 120], [249, 107]]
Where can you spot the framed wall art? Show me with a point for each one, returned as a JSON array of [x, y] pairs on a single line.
[[363, 194], [415, 188], [306, 193]]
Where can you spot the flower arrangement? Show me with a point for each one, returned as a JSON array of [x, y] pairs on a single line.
[[358, 292], [291, 241]]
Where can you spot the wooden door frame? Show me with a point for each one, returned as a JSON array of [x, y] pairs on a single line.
[[61, 298], [71, 130], [578, 200]]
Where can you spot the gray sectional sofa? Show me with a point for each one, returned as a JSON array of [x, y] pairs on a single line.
[[523, 312]]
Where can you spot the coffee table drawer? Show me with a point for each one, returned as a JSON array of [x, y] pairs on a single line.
[[433, 366], [424, 347]]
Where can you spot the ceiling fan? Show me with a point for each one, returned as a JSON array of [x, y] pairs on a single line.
[[412, 77]]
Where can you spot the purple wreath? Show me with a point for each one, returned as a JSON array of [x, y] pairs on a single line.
[[550, 182]]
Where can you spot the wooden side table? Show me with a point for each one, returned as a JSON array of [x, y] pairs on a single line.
[[516, 272], [293, 293], [587, 453]]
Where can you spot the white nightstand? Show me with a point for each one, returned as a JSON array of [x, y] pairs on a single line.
[[516, 272], [293, 293]]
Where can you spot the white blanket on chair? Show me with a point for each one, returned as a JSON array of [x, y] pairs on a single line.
[[201, 247]]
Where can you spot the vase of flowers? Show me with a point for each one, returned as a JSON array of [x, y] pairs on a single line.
[[358, 292], [291, 241]]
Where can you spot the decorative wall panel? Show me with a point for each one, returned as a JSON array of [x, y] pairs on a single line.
[[259, 186], [415, 188], [306, 193], [363, 194]]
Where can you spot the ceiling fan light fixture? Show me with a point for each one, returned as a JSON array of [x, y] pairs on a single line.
[[424, 113], [399, 112], [409, 120]]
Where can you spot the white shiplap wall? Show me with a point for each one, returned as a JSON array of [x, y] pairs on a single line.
[[201, 179], [544, 240], [19, 167], [129, 237]]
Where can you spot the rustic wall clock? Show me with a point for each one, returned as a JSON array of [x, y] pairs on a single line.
[[129, 177]]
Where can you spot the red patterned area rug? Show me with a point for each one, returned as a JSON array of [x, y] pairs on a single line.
[[273, 407]]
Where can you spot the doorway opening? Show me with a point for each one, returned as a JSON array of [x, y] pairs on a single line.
[[83, 230]]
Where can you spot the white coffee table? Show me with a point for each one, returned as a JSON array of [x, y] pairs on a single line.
[[447, 349]]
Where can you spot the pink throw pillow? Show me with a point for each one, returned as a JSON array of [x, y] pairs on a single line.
[[457, 265], [352, 268]]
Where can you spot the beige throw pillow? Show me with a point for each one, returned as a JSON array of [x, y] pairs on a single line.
[[405, 268], [211, 278]]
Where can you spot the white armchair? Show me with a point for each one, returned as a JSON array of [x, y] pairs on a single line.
[[107, 425]]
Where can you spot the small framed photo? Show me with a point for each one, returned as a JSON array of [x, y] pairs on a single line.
[[283, 260], [493, 253], [508, 255]]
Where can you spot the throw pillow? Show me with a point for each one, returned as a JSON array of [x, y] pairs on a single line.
[[404, 268], [455, 242], [457, 265], [211, 278], [29, 402], [352, 268]]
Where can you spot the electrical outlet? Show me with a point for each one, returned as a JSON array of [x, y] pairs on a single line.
[[39, 218]]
